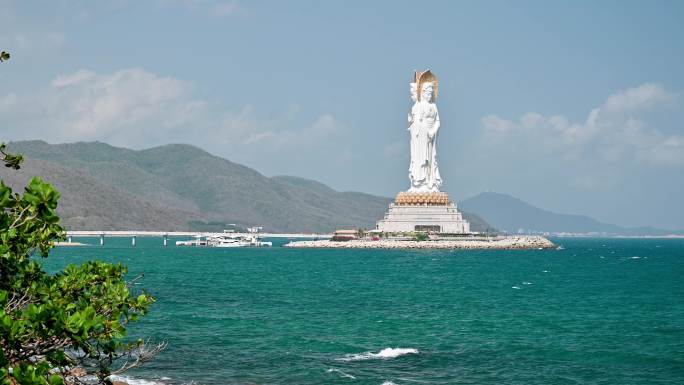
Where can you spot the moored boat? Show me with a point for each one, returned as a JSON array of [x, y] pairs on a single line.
[[226, 240]]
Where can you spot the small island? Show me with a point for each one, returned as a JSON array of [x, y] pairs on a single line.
[[466, 243]]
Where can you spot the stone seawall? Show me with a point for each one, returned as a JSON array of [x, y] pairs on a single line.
[[508, 243]]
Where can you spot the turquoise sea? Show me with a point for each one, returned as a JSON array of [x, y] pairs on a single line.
[[599, 311]]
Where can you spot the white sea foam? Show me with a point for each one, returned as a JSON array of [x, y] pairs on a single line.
[[384, 354], [134, 381], [527, 283], [388, 383], [515, 287], [341, 373]]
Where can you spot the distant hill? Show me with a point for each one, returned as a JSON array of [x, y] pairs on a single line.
[[87, 203], [180, 187], [511, 214]]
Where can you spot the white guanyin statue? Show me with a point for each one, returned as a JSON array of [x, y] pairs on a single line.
[[423, 124]]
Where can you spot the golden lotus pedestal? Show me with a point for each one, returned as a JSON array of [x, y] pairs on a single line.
[[431, 211], [431, 198]]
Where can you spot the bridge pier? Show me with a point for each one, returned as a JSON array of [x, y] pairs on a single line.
[[133, 241], [166, 239], [102, 239], [69, 239]]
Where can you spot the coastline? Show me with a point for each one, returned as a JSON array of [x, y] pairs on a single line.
[[508, 243]]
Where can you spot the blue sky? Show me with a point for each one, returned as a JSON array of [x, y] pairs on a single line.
[[575, 107]]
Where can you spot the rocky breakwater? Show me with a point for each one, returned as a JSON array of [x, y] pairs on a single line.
[[507, 243]]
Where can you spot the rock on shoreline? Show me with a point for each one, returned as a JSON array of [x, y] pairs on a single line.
[[507, 243]]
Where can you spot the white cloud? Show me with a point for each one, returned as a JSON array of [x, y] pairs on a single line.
[[87, 106], [615, 132], [137, 108], [72, 79], [636, 98], [496, 124]]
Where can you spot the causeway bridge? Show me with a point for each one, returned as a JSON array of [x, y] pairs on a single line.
[[166, 234]]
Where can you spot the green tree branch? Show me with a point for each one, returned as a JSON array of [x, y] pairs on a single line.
[[50, 323]]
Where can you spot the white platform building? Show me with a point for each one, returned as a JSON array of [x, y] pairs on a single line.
[[413, 212], [438, 219], [424, 207]]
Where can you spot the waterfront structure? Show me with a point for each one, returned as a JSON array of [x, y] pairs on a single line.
[[424, 207], [344, 235], [166, 234]]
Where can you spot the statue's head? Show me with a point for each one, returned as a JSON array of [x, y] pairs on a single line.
[[427, 91], [427, 84]]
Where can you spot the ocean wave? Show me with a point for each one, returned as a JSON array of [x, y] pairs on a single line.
[[136, 381], [384, 354], [388, 383], [341, 373]]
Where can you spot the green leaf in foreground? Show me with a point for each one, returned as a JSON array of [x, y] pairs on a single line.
[[50, 323]]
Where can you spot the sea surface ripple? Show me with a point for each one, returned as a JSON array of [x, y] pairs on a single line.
[[600, 311]]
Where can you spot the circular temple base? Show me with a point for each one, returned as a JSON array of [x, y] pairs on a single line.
[[430, 199]]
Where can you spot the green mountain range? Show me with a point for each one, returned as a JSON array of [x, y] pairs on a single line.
[[181, 187]]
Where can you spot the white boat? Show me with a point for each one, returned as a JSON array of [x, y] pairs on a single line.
[[237, 241], [226, 240], [229, 242]]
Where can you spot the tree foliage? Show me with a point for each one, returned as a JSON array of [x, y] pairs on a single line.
[[11, 160], [420, 236], [51, 323]]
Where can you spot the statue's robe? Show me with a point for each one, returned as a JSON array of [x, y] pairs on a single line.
[[423, 169]]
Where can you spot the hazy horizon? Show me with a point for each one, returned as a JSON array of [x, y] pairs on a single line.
[[460, 199], [574, 108]]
